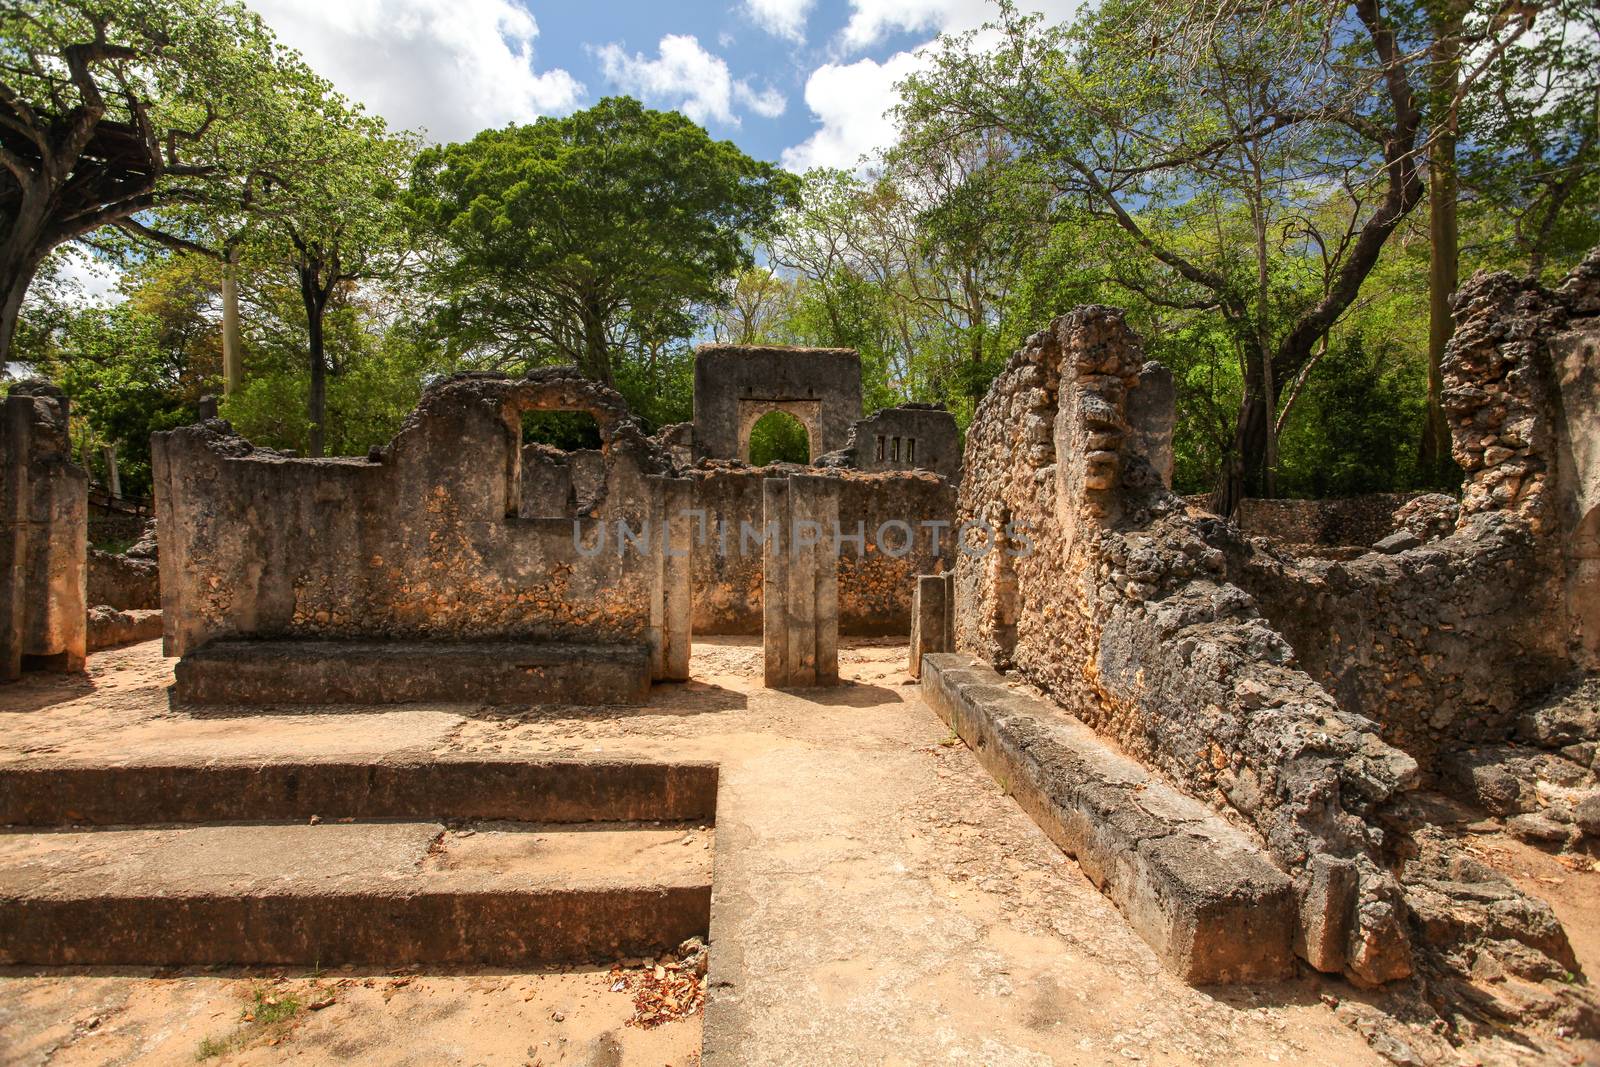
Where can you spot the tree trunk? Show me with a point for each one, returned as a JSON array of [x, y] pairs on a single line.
[[232, 354], [1244, 466], [1443, 245], [317, 399], [113, 475], [1269, 399], [13, 288], [16, 274], [597, 354]]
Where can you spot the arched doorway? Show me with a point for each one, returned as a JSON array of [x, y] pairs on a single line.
[[778, 437]]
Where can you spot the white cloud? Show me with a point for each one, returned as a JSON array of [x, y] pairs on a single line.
[[453, 67], [852, 101], [781, 18], [86, 279], [873, 20], [689, 78]]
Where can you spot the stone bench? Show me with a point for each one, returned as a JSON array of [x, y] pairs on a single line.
[[261, 671], [1201, 892]]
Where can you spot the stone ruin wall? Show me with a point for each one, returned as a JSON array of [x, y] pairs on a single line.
[[735, 385], [44, 511], [1444, 643], [908, 437], [1204, 654], [424, 539], [1123, 611], [1357, 521], [874, 587]]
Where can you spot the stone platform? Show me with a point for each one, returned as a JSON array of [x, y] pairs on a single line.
[[156, 790], [359, 893], [259, 672], [1200, 892]]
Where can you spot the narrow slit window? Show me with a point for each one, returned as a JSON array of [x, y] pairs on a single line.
[[894, 451], [911, 451], [880, 448]]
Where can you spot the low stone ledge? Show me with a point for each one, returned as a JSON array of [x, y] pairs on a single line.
[[1202, 893], [256, 672], [167, 790], [110, 627]]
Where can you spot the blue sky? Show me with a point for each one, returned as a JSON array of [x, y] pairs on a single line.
[[801, 82]]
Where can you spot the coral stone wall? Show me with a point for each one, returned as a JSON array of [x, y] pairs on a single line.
[[1356, 520], [1111, 598], [875, 587], [426, 539], [123, 582], [911, 437], [1445, 643], [735, 385]]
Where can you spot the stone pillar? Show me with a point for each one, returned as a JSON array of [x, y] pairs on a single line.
[[16, 417], [677, 579], [933, 617], [800, 582], [44, 531]]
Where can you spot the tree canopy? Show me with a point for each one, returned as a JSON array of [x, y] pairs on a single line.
[[1282, 197], [583, 238], [109, 108]]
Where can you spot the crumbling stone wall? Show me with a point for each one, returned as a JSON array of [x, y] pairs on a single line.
[[1104, 592], [1445, 643], [875, 587], [735, 385], [44, 513], [1111, 597], [908, 437], [1357, 520], [129, 580], [428, 537]]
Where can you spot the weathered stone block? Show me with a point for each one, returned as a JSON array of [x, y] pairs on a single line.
[[932, 618], [800, 586], [393, 672], [1202, 893], [109, 627], [44, 516]]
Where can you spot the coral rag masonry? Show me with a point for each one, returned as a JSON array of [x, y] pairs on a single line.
[[1302, 698], [427, 541]]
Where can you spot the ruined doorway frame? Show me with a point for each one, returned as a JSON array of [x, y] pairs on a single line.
[[751, 411]]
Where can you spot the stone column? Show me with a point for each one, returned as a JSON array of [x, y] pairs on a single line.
[[677, 579], [800, 582], [44, 525], [16, 419], [933, 617]]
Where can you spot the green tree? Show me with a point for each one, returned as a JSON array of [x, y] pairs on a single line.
[[589, 239], [334, 225], [109, 108], [1259, 159]]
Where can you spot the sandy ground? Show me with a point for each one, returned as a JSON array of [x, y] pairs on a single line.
[[877, 900]]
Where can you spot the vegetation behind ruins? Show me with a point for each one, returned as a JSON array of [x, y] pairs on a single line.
[[1264, 191]]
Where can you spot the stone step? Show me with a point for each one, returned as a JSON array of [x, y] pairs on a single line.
[[262, 672], [370, 893], [447, 787], [1202, 893]]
